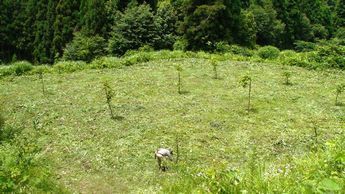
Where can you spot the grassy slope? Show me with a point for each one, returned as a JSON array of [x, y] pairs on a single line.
[[93, 153]]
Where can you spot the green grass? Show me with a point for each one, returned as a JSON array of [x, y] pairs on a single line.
[[93, 153]]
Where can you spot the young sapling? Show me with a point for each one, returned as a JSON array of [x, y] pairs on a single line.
[[177, 142], [247, 81], [340, 89], [215, 65], [109, 93], [40, 76], [287, 76], [179, 84]]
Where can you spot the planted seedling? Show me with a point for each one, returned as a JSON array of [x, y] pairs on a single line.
[[215, 65], [287, 76], [339, 90], [246, 81], [179, 84], [40, 76], [109, 93], [177, 142]]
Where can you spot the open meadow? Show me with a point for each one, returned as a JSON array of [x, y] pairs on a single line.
[[288, 127]]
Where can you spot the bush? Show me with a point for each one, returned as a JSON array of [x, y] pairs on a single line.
[[21, 67], [8, 133], [180, 45], [6, 71], [84, 48], [133, 29], [238, 50], [222, 47], [340, 33], [146, 48], [106, 62], [320, 172], [69, 66], [23, 167], [302, 46], [287, 54], [268, 52], [329, 56]]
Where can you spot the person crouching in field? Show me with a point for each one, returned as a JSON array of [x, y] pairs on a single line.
[[161, 155]]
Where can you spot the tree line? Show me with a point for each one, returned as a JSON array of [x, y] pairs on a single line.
[[43, 31]]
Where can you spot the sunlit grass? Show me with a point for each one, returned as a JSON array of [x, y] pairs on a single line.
[[93, 153]]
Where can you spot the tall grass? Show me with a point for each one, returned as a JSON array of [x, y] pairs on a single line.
[[317, 172]]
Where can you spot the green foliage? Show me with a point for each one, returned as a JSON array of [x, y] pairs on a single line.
[[2, 121], [246, 81], [109, 94], [340, 33], [311, 174], [287, 76], [134, 28], [302, 46], [82, 140], [319, 32], [243, 51], [268, 52], [340, 89], [21, 67], [180, 45], [330, 56], [204, 22], [248, 29], [84, 48], [165, 23], [106, 62], [215, 65], [269, 28], [69, 66], [23, 169], [179, 82]]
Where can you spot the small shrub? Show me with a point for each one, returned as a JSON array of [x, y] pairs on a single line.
[[339, 90], [268, 52], [215, 65], [299, 62], [302, 46], [287, 54], [84, 48], [222, 47], [109, 94], [41, 69], [180, 45], [23, 167], [340, 33], [21, 67], [7, 133], [106, 62], [179, 84], [6, 71], [247, 81], [287, 76], [243, 51], [69, 66], [146, 48], [41, 77]]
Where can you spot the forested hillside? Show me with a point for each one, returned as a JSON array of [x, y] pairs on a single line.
[[43, 31]]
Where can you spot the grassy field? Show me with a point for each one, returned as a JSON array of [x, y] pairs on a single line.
[[93, 153]]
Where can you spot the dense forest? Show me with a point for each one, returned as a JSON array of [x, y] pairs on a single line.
[[43, 31]]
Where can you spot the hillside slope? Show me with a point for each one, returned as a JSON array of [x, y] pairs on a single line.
[[92, 153]]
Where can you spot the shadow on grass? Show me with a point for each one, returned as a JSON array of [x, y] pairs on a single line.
[[340, 104], [184, 92], [118, 118]]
